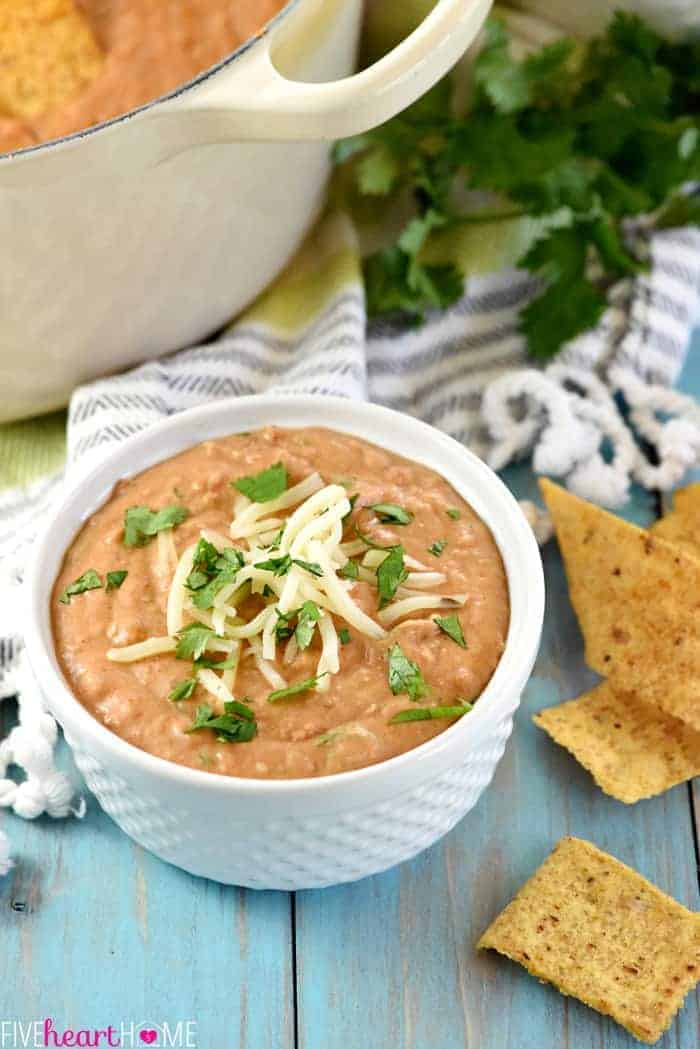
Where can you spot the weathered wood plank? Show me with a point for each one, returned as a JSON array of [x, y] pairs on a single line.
[[390, 962], [95, 931], [690, 383]]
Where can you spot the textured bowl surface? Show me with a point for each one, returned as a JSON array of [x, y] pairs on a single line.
[[293, 834]]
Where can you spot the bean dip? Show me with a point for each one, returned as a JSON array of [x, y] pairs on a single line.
[[281, 641]]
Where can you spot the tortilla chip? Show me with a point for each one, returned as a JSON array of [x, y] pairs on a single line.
[[48, 53], [633, 751], [599, 931], [682, 524], [637, 598]]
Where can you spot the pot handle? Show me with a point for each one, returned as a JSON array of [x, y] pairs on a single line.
[[275, 108]]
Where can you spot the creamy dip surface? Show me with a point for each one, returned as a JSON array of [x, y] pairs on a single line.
[[345, 724], [150, 47]]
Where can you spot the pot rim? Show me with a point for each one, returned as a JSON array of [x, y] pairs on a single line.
[[476, 482], [169, 96]]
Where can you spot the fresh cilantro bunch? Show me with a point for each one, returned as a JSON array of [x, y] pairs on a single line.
[[583, 136]]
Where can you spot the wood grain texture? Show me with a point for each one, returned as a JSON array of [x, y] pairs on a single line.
[[94, 930]]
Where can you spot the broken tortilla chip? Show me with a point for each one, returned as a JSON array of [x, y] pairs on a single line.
[[633, 751], [682, 524], [48, 53], [637, 599], [599, 931]]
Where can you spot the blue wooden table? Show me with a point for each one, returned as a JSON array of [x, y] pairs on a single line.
[[95, 931]]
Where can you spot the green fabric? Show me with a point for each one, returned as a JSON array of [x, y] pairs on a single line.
[[31, 448]]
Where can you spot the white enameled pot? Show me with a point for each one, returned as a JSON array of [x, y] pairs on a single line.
[[294, 834], [145, 234]]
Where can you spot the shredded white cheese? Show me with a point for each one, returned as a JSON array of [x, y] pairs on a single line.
[[153, 646], [305, 551]]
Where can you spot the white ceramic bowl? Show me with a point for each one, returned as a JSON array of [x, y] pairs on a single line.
[[148, 232], [294, 834]]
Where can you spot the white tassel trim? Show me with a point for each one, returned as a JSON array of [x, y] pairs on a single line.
[[565, 415], [30, 746]]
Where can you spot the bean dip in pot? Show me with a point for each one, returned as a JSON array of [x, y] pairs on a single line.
[[281, 604], [117, 54]]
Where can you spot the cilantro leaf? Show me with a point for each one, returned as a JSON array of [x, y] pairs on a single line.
[[454, 514], [279, 566], [404, 675], [295, 689], [204, 597], [89, 580], [430, 713], [183, 689], [344, 636], [390, 513], [236, 725], [141, 524], [115, 579], [193, 640], [437, 547], [228, 663], [308, 616], [265, 486], [309, 566], [391, 573], [350, 570], [451, 626]]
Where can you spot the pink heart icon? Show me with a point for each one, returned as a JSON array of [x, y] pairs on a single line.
[[148, 1037]]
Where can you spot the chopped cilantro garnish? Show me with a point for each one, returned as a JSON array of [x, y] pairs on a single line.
[[350, 570], [89, 580], [264, 486], [236, 725], [141, 524], [437, 547], [328, 737], [391, 573], [115, 579], [183, 689], [295, 689], [276, 565], [368, 541], [428, 713], [390, 513], [230, 557], [280, 565], [404, 675], [309, 566], [204, 598], [212, 570], [228, 663], [451, 626], [204, 564], [193, 640], [454, 514], [308, 616], [344, 636]]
